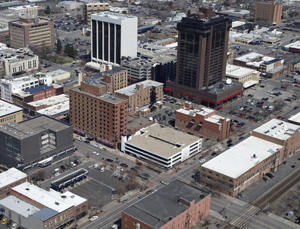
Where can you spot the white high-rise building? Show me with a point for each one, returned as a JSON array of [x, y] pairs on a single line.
[[113, 36]]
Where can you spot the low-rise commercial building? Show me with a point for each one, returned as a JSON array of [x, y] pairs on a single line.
[[237, 168], [10, 112], [183, 207], [247, 76], [161, 145], [10, 179], [92, 8], [31, 31], [147, 92], [18, 61], [29, 141], [58, 75], [202, 122], [11, 85], [155, 62], [70, 5], [293, 47], [27, 9], [32, 207]]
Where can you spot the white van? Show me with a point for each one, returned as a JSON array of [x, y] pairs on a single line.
[[96, 166], [56, 170], [102, 170]]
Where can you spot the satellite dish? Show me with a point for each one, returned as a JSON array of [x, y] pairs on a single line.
[[229, 81]]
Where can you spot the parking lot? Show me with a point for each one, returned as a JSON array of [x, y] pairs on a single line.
[[5, 226]]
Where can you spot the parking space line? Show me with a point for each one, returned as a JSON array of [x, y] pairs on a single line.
[[103, 184], [97, 184], [81, 193], [86, 188]]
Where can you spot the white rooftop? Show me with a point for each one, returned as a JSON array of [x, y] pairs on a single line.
[[131, 89], [239, 159], [19, 206], [55, 109], [51, 101], [23, 7], [56, 72], [50, 199], [10, 176], [192, 112], [215, 119], [249, 56], [237, 23], [237, 71], [7, 108], [111, 15], [295, 118], [277, 129], [293, 45]]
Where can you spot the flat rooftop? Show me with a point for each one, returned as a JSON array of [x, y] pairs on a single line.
[[160, 207], [295, 118], [50, 101], [15, 55], [106, 97], [32, 126], [10, 176], [69, 176], [19, 206], [7, 109], [112, 16], [249, 56], [239, 159], [221, 87], [161, 140], [278, 129], [31, 23], [56, 72], [131, 89], [56, 110], [50, 199], [237, 71], [192, 112]]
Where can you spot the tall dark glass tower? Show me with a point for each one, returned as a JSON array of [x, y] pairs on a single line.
[[202, 49]]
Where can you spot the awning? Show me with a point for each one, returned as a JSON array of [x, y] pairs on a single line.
[[168, 89], [250, 83], [205, 100], [212, 101], [181, 93], [131, 79]]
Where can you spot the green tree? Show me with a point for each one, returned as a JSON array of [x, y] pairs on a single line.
[[73, 52], [58, 46], [67, 50], [48, 11], [189, 12]]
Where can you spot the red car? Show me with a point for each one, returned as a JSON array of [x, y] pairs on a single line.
[[249, 117], [282, 118], [261, 105], [279, 117], [139, 163], [219, 108], [239, 126]]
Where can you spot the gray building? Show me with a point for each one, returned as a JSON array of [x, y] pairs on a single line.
[[33, 140]]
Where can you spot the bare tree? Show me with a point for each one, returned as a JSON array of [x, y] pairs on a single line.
[[105, 163], [120, 189]]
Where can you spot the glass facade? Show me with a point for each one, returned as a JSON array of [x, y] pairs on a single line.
[[100, 39], [105, 46], [94, 39], [112, 43], [118, 44]]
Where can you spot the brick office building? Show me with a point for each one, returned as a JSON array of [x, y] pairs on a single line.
[[177, 205], [242, 165], [10, 179], [33, 207], [203, 122], [268, 11], [141, 94], [93, 8]]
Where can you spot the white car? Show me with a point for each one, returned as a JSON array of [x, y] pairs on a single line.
[[93, 218], [79, 139], [253, 88], [14, 226], [202, 160], [242, 108], [95, 153], [164, 182], [120, 168], [94, 144], [273, 96], [72, 164], [270, 92]]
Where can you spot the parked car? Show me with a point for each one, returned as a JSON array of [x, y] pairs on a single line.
[[241, 194], [109, 160], [141, 196], [63, 168], [4, 221], [149, 192], [139, 163], [95, 153], [8, 223], [124, 201], [94, 218], [164, 182], [265, 179], [193, 162], [270, 175]]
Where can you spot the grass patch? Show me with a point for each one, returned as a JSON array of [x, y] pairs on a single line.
[[58, 59]]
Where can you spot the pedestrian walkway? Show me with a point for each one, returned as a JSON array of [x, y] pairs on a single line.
[[241, 220]]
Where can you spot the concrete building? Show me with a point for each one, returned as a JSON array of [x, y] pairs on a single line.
[[268, 11], [32, 207], [29, 141], [236, 13], [4, 35], [11, 85], [27, 9], [113, 36], [177, 205], [31, 31], [10, 112], [58, 75], [154, 62], [293, 47], [93, 8], [16, 62], [242, 165], [161, 145], [70, 5], [147, 93], [270, 66], [247, 76], [295, 119], [203, 65], [97, 114], [203, 122], [9, 179]]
